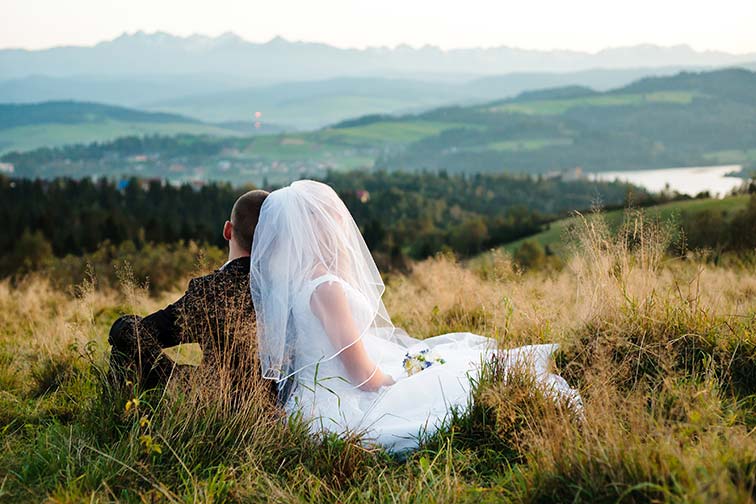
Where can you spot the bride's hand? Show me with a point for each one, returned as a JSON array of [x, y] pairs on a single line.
[[388, 380], [377, 381]]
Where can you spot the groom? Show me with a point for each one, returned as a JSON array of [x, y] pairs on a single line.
[[216, 311]]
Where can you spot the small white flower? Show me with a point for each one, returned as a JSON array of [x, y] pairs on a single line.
[[416, 362]]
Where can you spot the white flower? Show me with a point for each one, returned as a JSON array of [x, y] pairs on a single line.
[[416, 362]]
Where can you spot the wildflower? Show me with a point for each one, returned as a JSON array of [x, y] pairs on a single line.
[[144, 422], [149, 444], [132, 403]]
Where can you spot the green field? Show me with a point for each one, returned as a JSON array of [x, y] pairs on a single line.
[[342, 148], [528, 145], [554, 236], [24, 138], [557, 107], [385, 132], [300, 114], [303, 147]]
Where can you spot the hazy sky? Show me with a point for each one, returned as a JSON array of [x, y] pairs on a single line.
[[588, 25]]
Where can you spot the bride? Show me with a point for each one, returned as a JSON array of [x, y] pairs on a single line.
[[325, 337]]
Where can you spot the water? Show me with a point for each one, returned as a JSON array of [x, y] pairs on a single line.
[[691, 181]]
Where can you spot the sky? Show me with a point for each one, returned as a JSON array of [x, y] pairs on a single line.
[[583, 25]]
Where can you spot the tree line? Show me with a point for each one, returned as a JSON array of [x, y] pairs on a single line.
[[403, 216]]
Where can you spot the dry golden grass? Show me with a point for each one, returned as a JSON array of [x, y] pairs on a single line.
[[663, 350]]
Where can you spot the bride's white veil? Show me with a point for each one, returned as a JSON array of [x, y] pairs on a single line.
[[305, 232]]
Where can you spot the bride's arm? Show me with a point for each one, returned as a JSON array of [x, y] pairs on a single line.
[[330, 305]]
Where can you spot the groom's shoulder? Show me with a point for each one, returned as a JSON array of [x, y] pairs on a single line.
[[233, 276]]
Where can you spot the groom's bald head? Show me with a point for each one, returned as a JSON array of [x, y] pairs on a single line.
[[244, 217]]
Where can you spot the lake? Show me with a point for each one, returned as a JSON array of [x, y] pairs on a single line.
[[691, 180]]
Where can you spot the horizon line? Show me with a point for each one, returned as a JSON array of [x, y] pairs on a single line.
[[401, 45]]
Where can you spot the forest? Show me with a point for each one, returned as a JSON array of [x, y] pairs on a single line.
[[403, 216]]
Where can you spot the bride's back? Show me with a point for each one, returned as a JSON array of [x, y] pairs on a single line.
[[314, 344], [306, 237]]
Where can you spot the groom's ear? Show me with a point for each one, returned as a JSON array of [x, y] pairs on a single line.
[[228, 230]]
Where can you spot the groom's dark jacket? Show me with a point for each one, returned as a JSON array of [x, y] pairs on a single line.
[[216, 312]]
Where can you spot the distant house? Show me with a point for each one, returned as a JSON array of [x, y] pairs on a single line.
[[7, 168], [573, 174]]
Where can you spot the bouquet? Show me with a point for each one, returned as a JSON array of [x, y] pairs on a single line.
[[416, 362]]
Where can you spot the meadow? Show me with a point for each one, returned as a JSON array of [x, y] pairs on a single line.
[[556, 107], [24, 138], [553, 236], [663, 350]]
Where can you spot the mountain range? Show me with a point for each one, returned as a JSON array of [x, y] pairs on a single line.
[[301, 86], [281, 60]]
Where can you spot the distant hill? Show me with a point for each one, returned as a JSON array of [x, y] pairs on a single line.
[[27, 126], [313, 104], [689, 119], [69, 112], [300, 85], [305, 104], [556, 235], [125, 91], [733, 84]]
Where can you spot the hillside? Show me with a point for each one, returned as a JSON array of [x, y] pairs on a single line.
[[661, 351], [556, 236], [686, 120], [691, 119], [314, 104], [302, 85], [301, 105], [50, 124]]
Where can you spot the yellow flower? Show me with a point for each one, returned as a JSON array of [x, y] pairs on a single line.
[[150, 446], [144, 422], [132, 403]]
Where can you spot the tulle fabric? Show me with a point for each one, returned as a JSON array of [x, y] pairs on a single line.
[[306, 232], [396, 417], [305, 239]]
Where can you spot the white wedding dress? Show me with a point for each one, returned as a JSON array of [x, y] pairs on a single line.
[[308, 256], [395, 416]]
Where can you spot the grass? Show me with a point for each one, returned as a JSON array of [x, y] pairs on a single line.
[[342, 148], [557, 107], [556, 233], [662, 349], [528, 145], [396, 133], [53, 135], [295, 148]]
